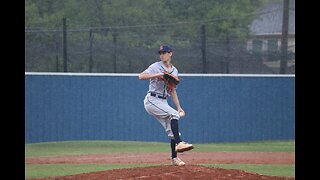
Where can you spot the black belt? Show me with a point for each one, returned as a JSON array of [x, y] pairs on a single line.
[[155, 95]]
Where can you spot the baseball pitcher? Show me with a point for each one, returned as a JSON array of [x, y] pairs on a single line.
[[164, 78]]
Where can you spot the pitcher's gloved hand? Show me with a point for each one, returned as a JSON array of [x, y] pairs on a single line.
[[171, 80]]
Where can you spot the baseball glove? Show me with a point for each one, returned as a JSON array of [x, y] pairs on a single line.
[[171, 80]]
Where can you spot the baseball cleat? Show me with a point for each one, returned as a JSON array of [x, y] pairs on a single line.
[[183, 146], [177, 162]]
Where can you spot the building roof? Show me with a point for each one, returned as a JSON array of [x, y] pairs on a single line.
[[270, 20]]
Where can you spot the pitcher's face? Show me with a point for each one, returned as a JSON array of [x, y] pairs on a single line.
[[165, 56]]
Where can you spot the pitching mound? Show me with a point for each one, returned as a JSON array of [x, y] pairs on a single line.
[[170, 172]]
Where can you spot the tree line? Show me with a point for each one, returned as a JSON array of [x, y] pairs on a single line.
[[136, 23]]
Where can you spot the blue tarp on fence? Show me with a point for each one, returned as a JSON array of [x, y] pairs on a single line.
[[218, 109]]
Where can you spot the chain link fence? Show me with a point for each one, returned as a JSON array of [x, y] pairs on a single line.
[[131, 50]]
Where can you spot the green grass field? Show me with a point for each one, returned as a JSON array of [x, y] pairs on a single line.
[[51, 170], [101, 147]]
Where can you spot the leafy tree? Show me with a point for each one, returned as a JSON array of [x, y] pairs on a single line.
[[138, 23]]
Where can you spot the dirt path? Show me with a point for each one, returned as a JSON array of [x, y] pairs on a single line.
[[164, 158]]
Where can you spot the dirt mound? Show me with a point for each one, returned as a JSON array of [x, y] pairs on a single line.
[[170, 172]]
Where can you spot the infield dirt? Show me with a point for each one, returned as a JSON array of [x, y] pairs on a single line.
[[165, 171], [189, 158]]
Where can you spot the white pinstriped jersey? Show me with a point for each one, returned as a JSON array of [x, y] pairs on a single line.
[[157, 85]]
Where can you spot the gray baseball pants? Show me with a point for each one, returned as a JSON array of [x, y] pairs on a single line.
[[160, 109]]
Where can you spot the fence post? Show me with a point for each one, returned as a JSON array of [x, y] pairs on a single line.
[[65, 55], [203, 48], [56, 36], [90, 51], [227, 60], [57, 58], [284, 37], [114, 51]]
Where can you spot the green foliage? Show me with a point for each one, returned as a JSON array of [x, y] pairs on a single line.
[[140, 23], [226, 18]]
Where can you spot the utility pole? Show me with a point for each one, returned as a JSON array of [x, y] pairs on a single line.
[[284, 37], [65, 54], [203, 48]]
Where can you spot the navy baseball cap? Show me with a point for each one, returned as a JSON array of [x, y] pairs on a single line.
[[165, 48]]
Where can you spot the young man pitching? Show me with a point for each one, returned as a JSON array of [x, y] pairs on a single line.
[[156, 104]]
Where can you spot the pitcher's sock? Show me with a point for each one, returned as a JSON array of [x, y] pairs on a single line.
[[175, 130], [173, 149]]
